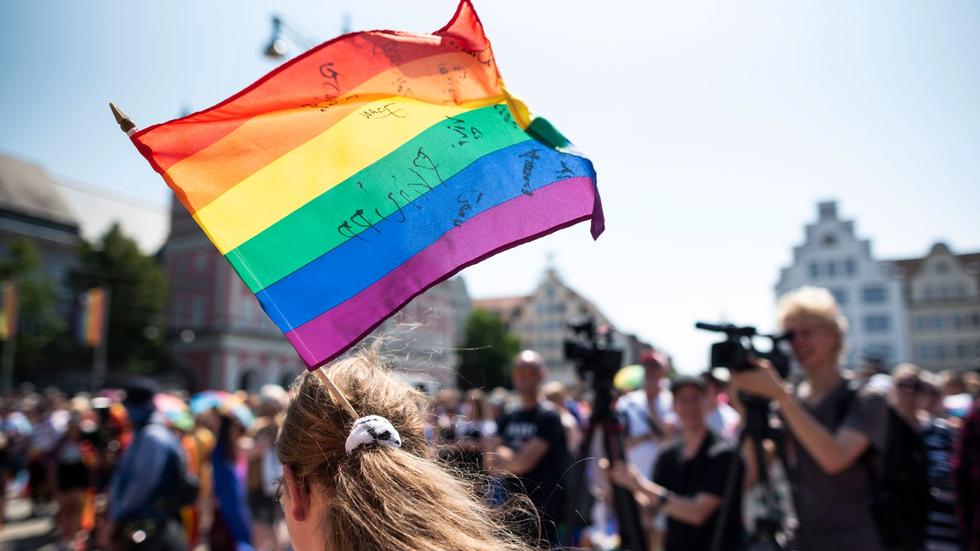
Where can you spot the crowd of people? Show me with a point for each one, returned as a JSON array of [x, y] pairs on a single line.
[[136, 464], [862, 459]]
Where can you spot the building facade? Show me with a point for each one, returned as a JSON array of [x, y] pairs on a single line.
[[869, 291], [540, 320], [31, 207], [421, 340], [218, 336], [943, 295]]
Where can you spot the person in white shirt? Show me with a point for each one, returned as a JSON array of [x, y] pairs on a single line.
[[650, 422], [723, 419]]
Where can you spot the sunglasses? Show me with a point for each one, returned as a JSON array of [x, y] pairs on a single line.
[[909, 385]]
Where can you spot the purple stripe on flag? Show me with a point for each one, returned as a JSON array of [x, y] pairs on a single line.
[[517, 221]]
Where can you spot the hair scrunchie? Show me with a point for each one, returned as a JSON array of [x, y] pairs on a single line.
[[371, 429]]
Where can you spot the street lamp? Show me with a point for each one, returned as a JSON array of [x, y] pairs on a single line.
[[278, 46]]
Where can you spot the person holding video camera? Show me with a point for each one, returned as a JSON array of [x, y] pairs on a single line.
[[832, 427]]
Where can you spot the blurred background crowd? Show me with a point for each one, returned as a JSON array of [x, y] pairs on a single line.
[[67, 455]]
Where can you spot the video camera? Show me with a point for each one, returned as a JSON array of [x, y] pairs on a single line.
[[733, 353], [592, 350]]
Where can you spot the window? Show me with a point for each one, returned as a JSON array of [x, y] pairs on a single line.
[[814, 270], [962, 351], [840, 295], [178, 312], [877, 324], [850, 266], [831, 269], [975, 319], [200, 262], [922, 352], [197, 312], [942, 267], [874, 294], [921, 323], [829, 240], [878, 351], [180, 264]]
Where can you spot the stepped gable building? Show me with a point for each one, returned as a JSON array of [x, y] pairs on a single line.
[[540, 320], [869, 291], [942, 291]]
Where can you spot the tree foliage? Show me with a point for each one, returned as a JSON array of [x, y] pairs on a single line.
[[138, 292], [41, 333], [488, 349]]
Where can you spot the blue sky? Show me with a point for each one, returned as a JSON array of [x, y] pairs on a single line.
[[715, 127]]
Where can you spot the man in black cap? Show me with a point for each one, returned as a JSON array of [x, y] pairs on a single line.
[[143, 504], [691, 476]]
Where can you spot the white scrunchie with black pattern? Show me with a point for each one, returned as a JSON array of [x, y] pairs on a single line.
[[371, 429]]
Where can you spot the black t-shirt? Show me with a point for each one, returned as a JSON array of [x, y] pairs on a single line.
[[542, 483], [707, 471]]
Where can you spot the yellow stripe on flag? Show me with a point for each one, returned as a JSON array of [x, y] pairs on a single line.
[[288, 183]]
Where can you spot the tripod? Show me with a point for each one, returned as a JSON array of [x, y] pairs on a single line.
[[767, 527], [608, 425]]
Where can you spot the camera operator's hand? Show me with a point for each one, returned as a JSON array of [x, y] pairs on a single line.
[[622, 474], [763, 381]]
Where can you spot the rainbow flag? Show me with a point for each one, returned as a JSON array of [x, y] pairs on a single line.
[[8, 310], [354, 177], [91, 317]]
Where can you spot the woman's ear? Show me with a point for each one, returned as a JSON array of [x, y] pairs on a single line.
[[297, 502]]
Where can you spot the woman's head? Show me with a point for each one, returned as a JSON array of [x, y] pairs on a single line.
[[377, 497], [818, 327], [906, 388]]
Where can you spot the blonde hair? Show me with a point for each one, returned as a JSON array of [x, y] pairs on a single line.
[[381, 497], [814, 303], [906, 370], [554, 391]]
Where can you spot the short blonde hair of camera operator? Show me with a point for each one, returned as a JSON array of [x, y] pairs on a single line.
[[381, 497], [815, 303]]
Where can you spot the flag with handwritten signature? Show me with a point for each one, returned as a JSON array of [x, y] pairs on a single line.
[[354, 177]]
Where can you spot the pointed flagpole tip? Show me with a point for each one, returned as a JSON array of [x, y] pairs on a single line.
[[125, 123]]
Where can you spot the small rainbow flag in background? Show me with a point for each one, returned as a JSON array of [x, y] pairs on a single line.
[[8, 310], [363, 172], [91, 317]]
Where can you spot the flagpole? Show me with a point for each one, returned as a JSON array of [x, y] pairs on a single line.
[[122, 119], [99, 357], [334, 391]]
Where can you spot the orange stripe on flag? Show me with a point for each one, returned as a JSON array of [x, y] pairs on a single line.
[[326, 72], [449, 79]]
